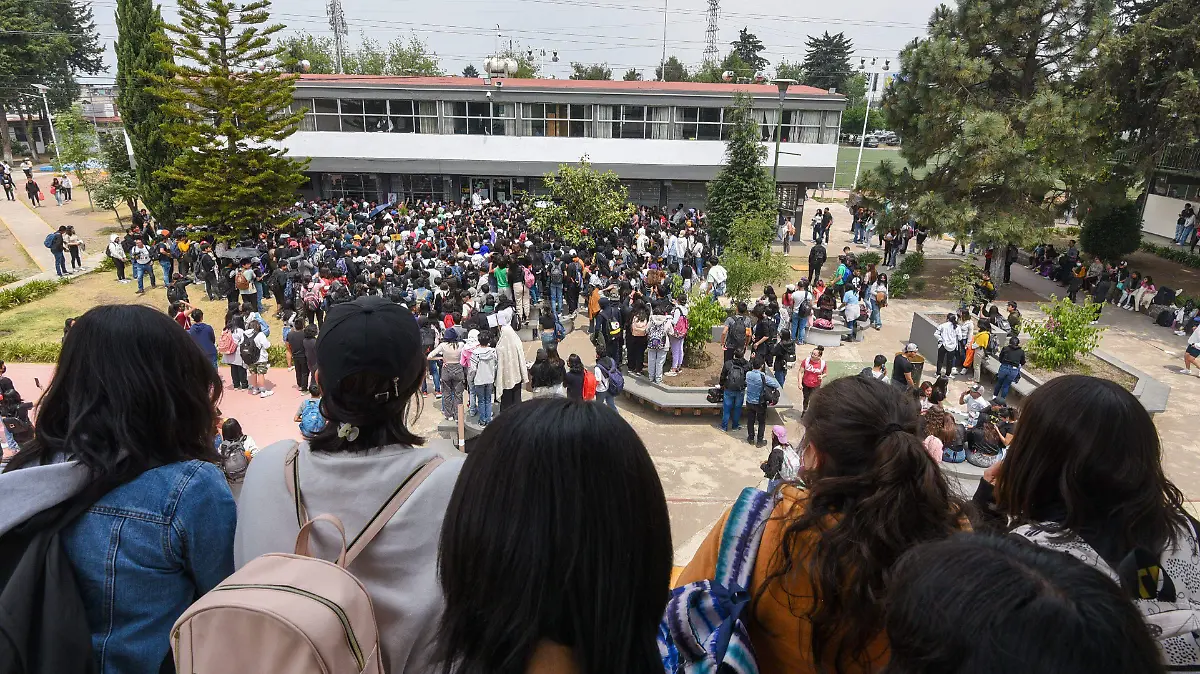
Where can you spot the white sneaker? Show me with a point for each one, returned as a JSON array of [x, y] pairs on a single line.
[[1094, 323], [266, 394], [1180, 333], [954, 372]]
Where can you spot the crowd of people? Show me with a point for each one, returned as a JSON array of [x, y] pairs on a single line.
[[868, 559]]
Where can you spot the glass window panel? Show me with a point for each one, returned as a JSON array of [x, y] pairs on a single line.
[[458, 125], [400, 107], [478, 109], [377, 123], [325, 105], [352, 123], [352, 106], [687, 114], [375, 107], [309, 123], [581, 112], [503, 110], [328, 123], [712, 115], [635, 113], [580, 129], [538, 128], [301, 104], [708, 132], [810, 117], [403, 125]]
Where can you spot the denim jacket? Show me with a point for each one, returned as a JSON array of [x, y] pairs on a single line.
[[755, 380], [143, 553]]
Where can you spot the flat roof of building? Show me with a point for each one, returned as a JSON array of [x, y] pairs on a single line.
[[519, 84]]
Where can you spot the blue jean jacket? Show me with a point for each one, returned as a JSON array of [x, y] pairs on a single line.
[[144, 553], [755, 380]]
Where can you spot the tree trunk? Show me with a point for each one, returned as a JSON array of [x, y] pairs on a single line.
[[4, 137], [29, 135], [119, 220]]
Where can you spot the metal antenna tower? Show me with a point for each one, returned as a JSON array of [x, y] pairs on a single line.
[[337, 21], [710, 34]]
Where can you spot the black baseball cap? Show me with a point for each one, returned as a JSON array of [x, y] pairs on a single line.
[[368, 334]]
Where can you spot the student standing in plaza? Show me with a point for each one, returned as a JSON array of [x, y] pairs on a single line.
[[812, 371], [757, 383]]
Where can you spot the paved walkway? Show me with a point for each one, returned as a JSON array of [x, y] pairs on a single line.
[[30, 230]]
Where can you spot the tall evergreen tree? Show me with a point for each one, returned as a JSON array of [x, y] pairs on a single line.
[[749, 48], [827, 61], [43, 45], [992, 104], [232, 111], [143, 53], [743, 186], [1147, 80], [470, 71]]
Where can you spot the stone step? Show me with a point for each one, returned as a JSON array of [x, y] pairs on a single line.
[[533, 331]]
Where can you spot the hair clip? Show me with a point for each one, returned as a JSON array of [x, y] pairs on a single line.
[[347, 432]]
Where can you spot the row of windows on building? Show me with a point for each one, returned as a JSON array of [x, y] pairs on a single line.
[[556, 120]]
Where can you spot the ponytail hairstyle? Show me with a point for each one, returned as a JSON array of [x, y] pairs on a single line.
[[874, 494]]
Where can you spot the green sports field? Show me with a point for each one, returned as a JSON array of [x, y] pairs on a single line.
[[848, 156]]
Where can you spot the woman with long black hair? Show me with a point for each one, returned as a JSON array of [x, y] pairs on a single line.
[[555, 555], [131, 441], [1083, 474], [819, 575]]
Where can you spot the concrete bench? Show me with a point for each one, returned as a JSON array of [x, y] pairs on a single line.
[[827, 338], [1023, 388], [679, 400]]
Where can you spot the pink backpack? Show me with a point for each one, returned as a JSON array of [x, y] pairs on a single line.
[[529, 281], [291, 612]]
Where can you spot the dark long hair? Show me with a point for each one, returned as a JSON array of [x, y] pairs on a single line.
[[380, 421], [977, 604], [874, 494], [117, 412], [1086, 454], [558, 518]]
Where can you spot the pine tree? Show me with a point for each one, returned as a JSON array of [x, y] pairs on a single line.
[[675, 71], [143, 53], [470, 71], [231, 108], [632, 75], [743, 186], [827, 61], [992, 105], [749, 48]]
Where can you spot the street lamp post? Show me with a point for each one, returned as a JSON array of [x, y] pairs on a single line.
[[49, 119], [783, 85], [872, 80]]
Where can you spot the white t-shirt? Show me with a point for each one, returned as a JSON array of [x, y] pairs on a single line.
[[974, 407], [263, 344], [717, 274]]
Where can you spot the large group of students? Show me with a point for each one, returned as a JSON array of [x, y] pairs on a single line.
[[140, 531], [548, 548]]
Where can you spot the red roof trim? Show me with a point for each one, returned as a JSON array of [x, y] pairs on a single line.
[[578, 85]]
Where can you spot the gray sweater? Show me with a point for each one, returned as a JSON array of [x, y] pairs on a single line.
[[398, 568]]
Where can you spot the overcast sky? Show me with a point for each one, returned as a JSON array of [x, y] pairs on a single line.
[[624, 33]]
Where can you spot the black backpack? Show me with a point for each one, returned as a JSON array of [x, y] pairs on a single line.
[[249, 350], [804, 309], [428, 336], [1166, 318], [556, 274], [736, 339], [43, 622], [736, 379], [1164, 297]]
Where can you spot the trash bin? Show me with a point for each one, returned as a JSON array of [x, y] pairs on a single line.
[[918, 363]]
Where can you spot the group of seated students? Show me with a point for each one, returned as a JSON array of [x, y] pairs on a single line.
[[548, 548]]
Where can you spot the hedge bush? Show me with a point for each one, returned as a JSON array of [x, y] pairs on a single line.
[[29, 292], [17, 351], [869, 257], [900, 278], [1174, 254]]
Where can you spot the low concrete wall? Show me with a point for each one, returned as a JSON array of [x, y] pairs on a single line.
[[1151, 392]]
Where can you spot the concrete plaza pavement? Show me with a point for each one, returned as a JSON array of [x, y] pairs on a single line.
[[30, 230]]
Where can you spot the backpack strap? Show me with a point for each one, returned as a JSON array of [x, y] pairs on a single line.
[[291, 477], [740, 538], [389, 508]]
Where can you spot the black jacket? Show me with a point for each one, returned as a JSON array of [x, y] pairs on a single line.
[[816, 255]]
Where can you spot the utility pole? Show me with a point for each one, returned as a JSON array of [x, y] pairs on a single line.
[[337, 21], [663, 64], [50, 120]]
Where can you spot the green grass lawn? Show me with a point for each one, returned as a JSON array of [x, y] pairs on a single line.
[[871, 157]]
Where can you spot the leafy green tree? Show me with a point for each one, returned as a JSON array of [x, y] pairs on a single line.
[[749, 48], [318, 51], [1065, 334], [992, 102], [748, 258], [632, 75], [45, 45], [412, 57], [232, 116], [595, 71], [714, 71], [1146, 80], [121, 185], [583, 198], [77, 148], [143, 52], [1111, 231], [674, 71], [789, 71], [470, 71], [742, 187], [827, 61]]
